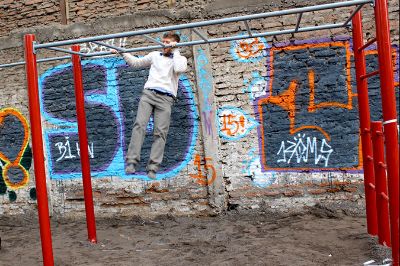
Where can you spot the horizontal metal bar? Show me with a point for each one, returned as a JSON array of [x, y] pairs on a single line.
[[232, 38], [246, 23], [200, 35], [53, 59], [12, 64], [298, 22], [153, 40], [206, 23], [367, 44], [345, 24], [370, 74], [216, 40], [120, 49], [64, 50], [21, 63]]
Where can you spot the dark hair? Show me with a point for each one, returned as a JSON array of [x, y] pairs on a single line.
[[172, 35]]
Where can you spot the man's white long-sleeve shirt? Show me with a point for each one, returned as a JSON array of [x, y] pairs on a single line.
[[164, 71]]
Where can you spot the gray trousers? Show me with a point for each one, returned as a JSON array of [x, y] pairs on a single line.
[[160, 106]]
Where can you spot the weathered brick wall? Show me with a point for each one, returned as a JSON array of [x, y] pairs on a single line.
[[298, 100], [37, 13], [286, 127], [23, 14]]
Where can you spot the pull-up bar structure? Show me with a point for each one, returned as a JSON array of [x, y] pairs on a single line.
[[243, 19], [32, 47]]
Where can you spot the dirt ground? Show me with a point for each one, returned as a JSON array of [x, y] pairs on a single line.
[[316, 237]]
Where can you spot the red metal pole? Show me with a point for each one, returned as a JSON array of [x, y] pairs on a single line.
[[365, 118], [389, 119], [381, 184], [37, 148], [83, 145]]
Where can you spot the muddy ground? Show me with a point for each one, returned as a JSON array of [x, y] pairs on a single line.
[[315, 237]]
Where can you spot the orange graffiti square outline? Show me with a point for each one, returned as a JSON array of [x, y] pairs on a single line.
[[287, 98]]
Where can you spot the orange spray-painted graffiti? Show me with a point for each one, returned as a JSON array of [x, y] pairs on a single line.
[[303, 98], [229, 120], [248, 50], [14, 174], [210, 170], [234, 123], [287, 98]]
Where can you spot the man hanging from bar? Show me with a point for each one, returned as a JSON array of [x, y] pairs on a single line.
[[157, 98]]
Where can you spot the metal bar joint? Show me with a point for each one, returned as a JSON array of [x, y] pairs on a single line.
[[153, 40], [352, 15], [367, 44], [298, 22], [200, 35], [246, 23]]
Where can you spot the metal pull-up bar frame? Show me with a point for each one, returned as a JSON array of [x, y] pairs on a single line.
[[203, 39], [387, 91]]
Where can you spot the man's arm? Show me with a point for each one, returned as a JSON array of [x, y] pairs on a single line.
[[180, 62], [137, 62]]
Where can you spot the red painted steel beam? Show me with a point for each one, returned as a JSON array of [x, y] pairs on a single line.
[[388, 96], [381, 184], [83, 145], [365, 121], [37, 149]]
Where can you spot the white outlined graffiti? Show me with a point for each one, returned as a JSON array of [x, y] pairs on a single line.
[[303, 149], [66, 151], [93, 47]]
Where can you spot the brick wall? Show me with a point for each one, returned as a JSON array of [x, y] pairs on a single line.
[[271, 126], [23, 14]]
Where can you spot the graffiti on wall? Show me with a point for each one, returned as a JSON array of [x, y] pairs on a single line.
[[312, 93], [92, 47], [112, 93], [209, 168], [253, 170], [15, 153], [206, 86], [248, 50], [306, 106], [256, 86], [303, 149], [234, 123]]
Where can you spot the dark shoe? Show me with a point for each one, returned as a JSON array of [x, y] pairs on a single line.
[[130, 168], [151, 174]]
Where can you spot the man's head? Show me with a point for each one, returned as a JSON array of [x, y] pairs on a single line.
[[170, 38]]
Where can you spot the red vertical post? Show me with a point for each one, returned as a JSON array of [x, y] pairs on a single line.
[[37, 148], [382, 199], [365, 120], [83, 145], [389, 119]]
